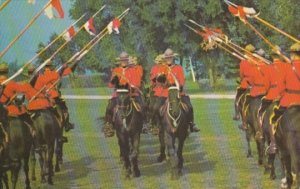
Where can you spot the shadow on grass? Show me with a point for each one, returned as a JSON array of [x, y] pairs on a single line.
[[71, 172]]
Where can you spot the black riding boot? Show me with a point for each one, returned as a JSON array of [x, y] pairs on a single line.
[[239, 93], [62, 104], [108, 129], [192, 125]]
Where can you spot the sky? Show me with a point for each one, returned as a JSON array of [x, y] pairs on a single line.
[[15, 16]]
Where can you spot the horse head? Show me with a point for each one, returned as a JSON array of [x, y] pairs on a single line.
[[124, 105], [173, 109]]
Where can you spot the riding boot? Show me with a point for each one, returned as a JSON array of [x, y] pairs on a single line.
[[236, 116], [68, 125]]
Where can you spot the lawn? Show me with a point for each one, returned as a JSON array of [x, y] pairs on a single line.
[[213, 158]]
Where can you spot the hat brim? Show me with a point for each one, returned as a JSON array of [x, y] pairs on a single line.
[[122, 59], [170, 56]]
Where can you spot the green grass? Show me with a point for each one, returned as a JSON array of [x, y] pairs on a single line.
[[214, 158]]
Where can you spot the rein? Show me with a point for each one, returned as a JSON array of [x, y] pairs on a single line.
[[172, 118]]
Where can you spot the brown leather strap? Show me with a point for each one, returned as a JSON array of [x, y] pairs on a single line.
[[293, 91], [258, 85]]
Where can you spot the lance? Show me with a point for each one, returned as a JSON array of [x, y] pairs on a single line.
[[258, 33], [80, 54], [276, 29], [94, 41], [4, 4], [40, 52], [24, 30], [192, 69], [223, 38], [62, 46], [238, 55], [268, 24]]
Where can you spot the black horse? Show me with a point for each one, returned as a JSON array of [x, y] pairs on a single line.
[[252, 122], [287, 138], [20, 142], [47, 126], [174, 125], [128, 120]]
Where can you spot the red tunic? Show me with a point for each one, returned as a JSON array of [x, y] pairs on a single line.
[[11, 89], [48, 78], [176, 72], [274, 80], [245, 73], [159, 89], [292, 85], [258, 79], [120, 73], [39, 102]]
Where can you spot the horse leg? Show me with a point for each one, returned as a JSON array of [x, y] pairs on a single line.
[[33, 163], [260, 151], [42, 165], [179, 155], [271, 167], [288, 171], [26, 169], [50, 163], [124, 148], [169, 140], [161, 135], [134, 155], [58, 152], [15, 168], [120, 147], [248, 138], [5, 180], [127, 163]]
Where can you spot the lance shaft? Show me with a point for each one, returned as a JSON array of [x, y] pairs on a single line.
[[80, 54], [24, 30], [4, 4], [63, 45], [53, 41], [277, 29]]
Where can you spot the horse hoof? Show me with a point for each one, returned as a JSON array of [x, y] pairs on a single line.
[[57, 168], [272, 176], [50, 182], [260, 162], [137, 173], [161, 158]]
